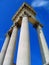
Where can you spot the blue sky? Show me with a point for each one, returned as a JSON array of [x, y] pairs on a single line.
[[9, 7]]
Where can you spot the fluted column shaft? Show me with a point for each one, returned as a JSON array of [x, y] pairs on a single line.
[[43, 46], [4, 48], [10, 51], [23, 56]]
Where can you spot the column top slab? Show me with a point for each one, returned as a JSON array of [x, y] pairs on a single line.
[[11, 29], [9, 32]]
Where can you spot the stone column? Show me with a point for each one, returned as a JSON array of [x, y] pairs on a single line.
[[43, 46], [23, 56], [10, 51], [4, 48]]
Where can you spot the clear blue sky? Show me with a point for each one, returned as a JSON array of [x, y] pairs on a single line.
[[9, 7]]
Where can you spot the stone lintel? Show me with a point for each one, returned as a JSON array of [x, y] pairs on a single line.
[[31, 18], [22, 11], [24, 6]]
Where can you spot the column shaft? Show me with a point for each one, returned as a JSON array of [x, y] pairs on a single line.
[[43, 45], [10, 51], [4, 48], [23, 56]]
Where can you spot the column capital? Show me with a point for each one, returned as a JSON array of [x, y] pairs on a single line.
[[11, 29], [25, 14], [37, 24], [9, 32], [17, 25]]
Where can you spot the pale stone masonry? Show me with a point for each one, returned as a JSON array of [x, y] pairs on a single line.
[[21, 19], [43, 45], [4, 49], [11, 47], [23, 55]]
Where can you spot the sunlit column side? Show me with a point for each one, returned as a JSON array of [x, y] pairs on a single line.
[[10, 51], [43, 45], [4, 48], [23, 56]]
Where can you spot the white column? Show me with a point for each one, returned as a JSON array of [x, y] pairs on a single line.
[[43, 46], [4, 48], [10, 51], [23, 56]]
